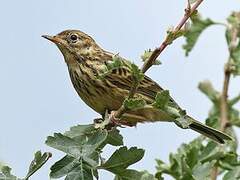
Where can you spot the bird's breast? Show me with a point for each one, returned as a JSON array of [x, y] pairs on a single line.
[[99, 94]]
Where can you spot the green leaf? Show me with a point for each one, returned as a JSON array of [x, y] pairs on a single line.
[[39, 160], [136, 72], [234, 100], [147, 176], [64, 166], [114, 138], [172, 35], [182, 163], [203, 171], [162, 99], [235, 61], [5, 174], [207, 88], [232, 36], [147, 54], [122, 158], [128, 174], [233, 174], [229, 160], [211, 152], [80, 130], [192, 34], [82, 145], [134, 103], [75, 148], [115, 63], [66, 144], [81, 172]]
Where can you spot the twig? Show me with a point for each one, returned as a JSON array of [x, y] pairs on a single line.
[[223, 110], [224, 121], [188, 12], [165, 43], [224, 99]]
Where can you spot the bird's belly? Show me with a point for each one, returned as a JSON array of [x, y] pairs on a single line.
[[97, 95]]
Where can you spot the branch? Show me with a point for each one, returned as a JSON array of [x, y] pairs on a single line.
[[224, 121], [224, 99], [188, 12]]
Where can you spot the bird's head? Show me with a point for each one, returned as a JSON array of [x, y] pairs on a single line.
[[73, 44]]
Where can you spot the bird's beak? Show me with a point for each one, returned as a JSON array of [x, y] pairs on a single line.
[[54, 39]]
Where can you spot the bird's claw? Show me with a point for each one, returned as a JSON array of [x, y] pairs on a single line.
[[108, 121], [113, 119]]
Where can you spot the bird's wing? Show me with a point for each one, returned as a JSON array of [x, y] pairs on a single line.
[[147, 89]]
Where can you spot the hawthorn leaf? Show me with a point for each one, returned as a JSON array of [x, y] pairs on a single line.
[[128, 174], [81, 172], [203, 171], [134, 103], [136, 72], [232, 174], [114, 138], [147, 54], [39, 160], [198, 25], [206, 87], [63, 166], [211, 152], [5, 174], [162, 99], [80, 130], [122, 158]]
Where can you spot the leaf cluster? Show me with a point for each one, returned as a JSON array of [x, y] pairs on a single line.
[[83, 145]]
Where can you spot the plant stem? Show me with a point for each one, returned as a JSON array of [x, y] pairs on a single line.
[[165, 43], [188, 12], [224, 99], [223, 110], [224, 121]]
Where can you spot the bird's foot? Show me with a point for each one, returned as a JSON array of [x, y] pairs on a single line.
[[117, 122], [109, 121], [113, 119]]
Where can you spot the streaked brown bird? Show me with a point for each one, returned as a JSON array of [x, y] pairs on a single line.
[[86, 59]]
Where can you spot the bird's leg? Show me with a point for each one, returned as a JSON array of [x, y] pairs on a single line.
[[113, 119], [102, 122], [117, 121], [108, 121]]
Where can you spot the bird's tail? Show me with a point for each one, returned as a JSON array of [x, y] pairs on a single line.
[[211, 133]]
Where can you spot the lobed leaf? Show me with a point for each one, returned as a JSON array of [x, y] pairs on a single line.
[[122, 158], [39, 160], [5, 174], [136, 72], [198, 25], [134, 103], [233, 174], [162, 99], [207, 88], [147, 54], [114, 138]]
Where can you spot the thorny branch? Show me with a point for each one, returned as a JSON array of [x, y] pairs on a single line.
[[188, 12]]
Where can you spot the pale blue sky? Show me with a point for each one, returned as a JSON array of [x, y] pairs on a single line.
[[37, 97]]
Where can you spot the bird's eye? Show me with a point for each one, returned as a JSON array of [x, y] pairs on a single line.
[[73, 38]]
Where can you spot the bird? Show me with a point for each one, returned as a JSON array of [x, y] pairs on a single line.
[[85, 60]]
